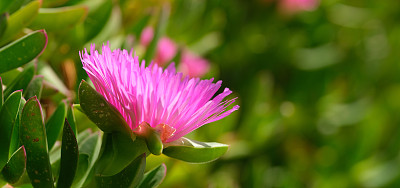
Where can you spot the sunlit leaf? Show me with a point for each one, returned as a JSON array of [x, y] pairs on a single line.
[[69, 157], [1, 93], [18, 20], [8, 115], [194, 151], [55, 124], [34, 139], [100, 111], [55, 19], [15, 142], [15, 167], [22, 51], [154, 177], [130, 176]]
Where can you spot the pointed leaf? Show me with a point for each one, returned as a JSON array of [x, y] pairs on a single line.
[[89, 150], [15, 167], [35, 87], [55, 123], [21, 82], [8, 115], [22, 50], [128, 177], [71, 119], [56, 19], [154, 177], [19, 20], [69, 157], [194, 151], [33, 137], [100, 111], [15, 142]]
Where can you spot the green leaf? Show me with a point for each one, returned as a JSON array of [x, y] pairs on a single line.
[[4, 5], [3, 22], [101, 112], [21, 82], [69, 157], [15, 167], [194, 151], [56, 19], [96, 19], [15, 142], [19, 20], [33, 137], [128, 177], [35, 87], [89, 150], [154, 177], [55, 123], [159, 31], [8, 115], [23, 50], [71, 119], [117, 152]]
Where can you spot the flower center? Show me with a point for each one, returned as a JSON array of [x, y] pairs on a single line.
[[165, 131]]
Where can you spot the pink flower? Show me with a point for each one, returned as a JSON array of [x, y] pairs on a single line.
[[146, 36], [294, 6], [193, 65], [166, 50], [172, 104]]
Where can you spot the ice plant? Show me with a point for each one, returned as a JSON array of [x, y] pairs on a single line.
[[171, 103], [193, 65], [294, 6], [166, 48]]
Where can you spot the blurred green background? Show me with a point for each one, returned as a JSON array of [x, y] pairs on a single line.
[[318, 85]]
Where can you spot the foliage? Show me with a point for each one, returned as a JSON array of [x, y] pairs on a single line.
[[317, 88]]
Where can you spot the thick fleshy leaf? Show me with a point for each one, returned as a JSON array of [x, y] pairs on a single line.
[[89, 150], [69, 157], [22, 50], [71, 118], [15, 142], [159, 31], [101, 112], [55, 124], [154, 177], [34, 88], [3, 21], [194, 151], [33, 137], [117, 152], [130, 176], [19, 20], [15, 167], [8, 115], [95, 21], [56, 19], [21, 82]]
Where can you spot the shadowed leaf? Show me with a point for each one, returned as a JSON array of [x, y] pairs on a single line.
[[69, 157], [154, 177], [15, 167]]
